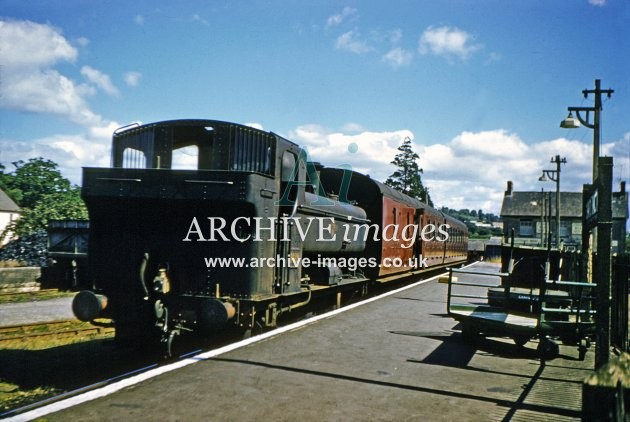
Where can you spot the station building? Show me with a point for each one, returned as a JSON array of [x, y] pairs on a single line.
[[533, 214], [9, 211]]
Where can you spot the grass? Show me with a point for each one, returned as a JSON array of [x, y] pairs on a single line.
[[41, 368]]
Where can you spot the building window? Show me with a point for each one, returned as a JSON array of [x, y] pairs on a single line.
[[526, 228], [565, 228]]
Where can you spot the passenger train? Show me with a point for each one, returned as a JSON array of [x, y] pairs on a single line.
[[199, 225]]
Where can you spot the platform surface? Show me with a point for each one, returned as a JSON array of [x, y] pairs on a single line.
[[398, 358]]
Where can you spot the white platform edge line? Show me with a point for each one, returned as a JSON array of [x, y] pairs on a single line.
[[119, 385]]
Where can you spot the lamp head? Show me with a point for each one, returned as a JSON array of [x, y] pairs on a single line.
[[543, 178], [570, 122]]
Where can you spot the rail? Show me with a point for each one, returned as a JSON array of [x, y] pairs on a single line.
[[55, 329]]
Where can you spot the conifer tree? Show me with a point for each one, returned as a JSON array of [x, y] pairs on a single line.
[[408, 176]]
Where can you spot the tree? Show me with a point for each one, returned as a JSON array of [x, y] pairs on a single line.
[[408, 176], [43, 194], [54, 206], [32, 180]]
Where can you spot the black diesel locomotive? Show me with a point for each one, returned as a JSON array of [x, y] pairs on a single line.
[[202, 224]]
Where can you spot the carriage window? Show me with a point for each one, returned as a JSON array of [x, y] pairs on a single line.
[[185, 158], [134, 158]]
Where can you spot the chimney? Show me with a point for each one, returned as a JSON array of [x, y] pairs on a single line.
[[508, 192], [622, 186]]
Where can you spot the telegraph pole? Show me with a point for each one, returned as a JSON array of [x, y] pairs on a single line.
[[596, 109], [558, 161], [554, 175]]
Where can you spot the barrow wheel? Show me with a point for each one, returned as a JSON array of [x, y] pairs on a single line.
[[582, 352], [583, 348], [469, 333], [548, 349], [520, 340]]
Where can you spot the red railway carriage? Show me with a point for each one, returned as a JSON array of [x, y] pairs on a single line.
[[456, 247], [433, 250], [397, 219], [413, 235]]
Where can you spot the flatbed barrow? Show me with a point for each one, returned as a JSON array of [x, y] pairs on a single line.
[[571, 319]]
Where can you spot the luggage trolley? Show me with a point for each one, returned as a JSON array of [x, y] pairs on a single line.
[[555, 309]]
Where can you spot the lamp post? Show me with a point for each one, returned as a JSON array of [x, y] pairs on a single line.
[[554, 176], [602, 224], [571, 123]]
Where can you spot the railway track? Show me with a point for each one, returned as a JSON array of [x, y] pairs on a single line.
[[32, 293], [52, 329]]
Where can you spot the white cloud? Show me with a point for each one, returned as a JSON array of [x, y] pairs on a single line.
[[255, 125], [197, 18], [473, 168], [395, 36], [469, 171], [338, 18], [26, 44], [397, 57], [71, 151], [352, 127], [30, 81], [349, 42], [447, 42], [47, 91], [496, 143], [138, 19], [597, 2], [492, 58], [373, 154], [133, 78], [100, 79], [83, 42]]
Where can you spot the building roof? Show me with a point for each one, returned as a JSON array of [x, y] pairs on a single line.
[[529, 204], [7, 204]]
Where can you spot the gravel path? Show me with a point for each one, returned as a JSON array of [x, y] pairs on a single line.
[[36, 311]]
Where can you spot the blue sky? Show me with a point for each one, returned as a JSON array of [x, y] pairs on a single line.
[[480, 86]]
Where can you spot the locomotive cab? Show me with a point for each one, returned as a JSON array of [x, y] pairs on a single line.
[[179, 197]]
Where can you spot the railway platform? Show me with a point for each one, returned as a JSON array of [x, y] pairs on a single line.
[[400, 357]]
